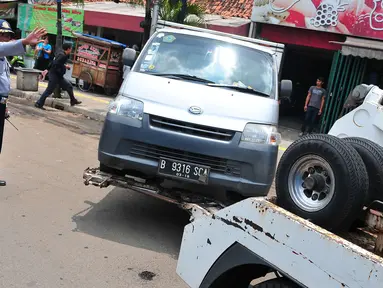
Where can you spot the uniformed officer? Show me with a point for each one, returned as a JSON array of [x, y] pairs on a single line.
[[11, 48]]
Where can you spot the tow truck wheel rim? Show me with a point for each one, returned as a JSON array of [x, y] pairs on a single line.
[[311, 183]]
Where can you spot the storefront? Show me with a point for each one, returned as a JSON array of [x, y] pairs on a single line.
[[325, 38], [121, 22]]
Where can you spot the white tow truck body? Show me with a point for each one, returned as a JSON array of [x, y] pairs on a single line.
[[366, 120], [257, 232]]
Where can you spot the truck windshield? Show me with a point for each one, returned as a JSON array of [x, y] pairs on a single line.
[[208, 61]]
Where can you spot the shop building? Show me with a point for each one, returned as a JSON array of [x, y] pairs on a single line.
[[118, 22], [121, 22], [336, 39]]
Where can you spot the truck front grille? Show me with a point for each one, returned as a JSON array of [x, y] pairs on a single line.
[[154, 152], [191, 129]]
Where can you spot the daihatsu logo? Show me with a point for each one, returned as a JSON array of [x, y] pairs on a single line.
[[195, 110]]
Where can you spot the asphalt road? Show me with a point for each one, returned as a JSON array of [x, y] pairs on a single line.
[[56, 232]]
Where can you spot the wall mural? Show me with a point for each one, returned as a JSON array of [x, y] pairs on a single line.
[[362, 18]]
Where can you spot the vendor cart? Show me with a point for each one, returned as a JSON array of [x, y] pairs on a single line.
[[97, 62]]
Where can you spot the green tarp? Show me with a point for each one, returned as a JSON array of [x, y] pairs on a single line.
[[32, 16]]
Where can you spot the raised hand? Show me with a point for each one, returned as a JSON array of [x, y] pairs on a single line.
[[34, 37]]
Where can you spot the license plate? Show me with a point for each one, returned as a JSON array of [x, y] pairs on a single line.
[[183, 170]]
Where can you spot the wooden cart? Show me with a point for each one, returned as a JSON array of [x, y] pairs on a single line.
[[98, 62]]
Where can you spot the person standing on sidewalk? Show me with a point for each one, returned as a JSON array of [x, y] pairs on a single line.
[[313, 106], [44, 51], [56, 77], [11, 48]]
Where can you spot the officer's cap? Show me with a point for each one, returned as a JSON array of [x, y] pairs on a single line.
[[5, 27]]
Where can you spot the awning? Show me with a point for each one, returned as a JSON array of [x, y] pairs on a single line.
[[362, 48]]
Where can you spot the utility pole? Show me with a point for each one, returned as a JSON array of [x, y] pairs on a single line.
[[182, 15], [156, 8], [59, 38], [146, 24], [59, 42]]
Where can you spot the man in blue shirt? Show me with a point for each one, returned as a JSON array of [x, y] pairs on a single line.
[[44, 51]]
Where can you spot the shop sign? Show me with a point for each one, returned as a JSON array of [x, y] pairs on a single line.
[[32, 16], [89, 51], [42, 2], [86, 61], [362, 18], [8, 10]]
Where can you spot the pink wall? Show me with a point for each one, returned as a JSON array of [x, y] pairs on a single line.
[[301, 37], [132, 23], [240, 30], [114, 21]]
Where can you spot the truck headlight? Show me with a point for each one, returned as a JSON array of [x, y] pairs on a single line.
[[128, 107], [261, 134]]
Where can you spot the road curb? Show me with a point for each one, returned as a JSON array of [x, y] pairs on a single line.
[[29, 98]]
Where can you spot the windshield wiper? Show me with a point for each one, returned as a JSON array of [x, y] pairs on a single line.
[[241, 89], [183, 76]]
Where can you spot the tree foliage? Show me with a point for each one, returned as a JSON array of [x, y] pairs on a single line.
[[182, 12], [179, 11]]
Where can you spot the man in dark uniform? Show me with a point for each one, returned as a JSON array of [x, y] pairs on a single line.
[[11, 48], [56, 77]]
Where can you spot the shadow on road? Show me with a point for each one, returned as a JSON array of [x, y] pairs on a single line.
[[136, 220]]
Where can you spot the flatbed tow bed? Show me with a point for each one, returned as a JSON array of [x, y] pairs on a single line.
[[226, 246]]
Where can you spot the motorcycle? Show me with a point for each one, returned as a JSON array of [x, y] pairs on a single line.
[[16, 61]]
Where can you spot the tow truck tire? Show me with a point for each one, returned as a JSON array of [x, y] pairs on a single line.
[[322, 178], [277, 283], [372, 156]]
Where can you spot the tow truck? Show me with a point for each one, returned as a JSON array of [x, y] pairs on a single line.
[[231, 245], [234, 244]]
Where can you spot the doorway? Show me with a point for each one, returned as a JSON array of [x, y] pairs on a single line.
[[302, 65]]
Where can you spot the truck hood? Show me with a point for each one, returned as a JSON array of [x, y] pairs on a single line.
[[222, 108]]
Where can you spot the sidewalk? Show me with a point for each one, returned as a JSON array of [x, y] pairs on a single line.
[[93, 106]]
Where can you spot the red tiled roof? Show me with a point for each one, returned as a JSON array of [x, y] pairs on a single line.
[[225, 8], [72, 2]]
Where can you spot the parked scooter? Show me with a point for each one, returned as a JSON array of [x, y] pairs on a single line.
[[16, 61]]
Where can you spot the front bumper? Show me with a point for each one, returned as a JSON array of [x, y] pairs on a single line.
[[129, 145]]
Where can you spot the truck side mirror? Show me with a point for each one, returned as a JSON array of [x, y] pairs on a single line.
[[285, 89], [129, 57]]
